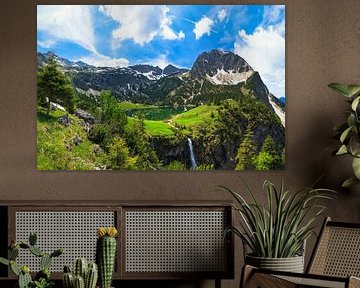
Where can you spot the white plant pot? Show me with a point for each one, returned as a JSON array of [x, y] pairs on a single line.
[[291, 264]]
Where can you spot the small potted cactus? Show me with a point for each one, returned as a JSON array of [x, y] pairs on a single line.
[[105, 254], [85, 275]]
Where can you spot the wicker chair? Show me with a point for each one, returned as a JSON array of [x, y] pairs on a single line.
[[335, 262]]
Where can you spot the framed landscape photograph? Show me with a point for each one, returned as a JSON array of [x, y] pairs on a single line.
[[160, 87]]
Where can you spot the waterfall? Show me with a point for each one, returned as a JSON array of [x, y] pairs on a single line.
[[192, 157]]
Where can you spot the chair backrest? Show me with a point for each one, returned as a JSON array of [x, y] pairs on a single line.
[[337, 251]]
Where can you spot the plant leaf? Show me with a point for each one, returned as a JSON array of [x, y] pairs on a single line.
[[356, 167], [4, 261], [351, 120], [345, 134], [353, 89], [340, 88], [354, 145], [349, 182], [342, 150], [355, 103]]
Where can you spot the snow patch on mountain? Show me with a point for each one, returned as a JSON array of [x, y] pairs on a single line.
[[278, 110], [230, 77], [152, 76]]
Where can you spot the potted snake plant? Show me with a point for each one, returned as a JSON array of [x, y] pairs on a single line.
[[274, 235]]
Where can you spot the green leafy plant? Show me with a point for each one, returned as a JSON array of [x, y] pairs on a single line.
[[42, 278], [43, 283], [349, 132], [280, 229]]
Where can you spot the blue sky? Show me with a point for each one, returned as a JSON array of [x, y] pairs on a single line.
[[122, 35]]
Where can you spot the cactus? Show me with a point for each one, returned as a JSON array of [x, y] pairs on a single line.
[[36, 251], [67, 269], [105, 254], [23, 273], [57, 253], [32, 239], [24, 277], [14, 268], [81, 267], [91, 276], [24, 245], [68, 278], [90, 272], [14, 253], [79, 282], [45, 261], [4, 261]]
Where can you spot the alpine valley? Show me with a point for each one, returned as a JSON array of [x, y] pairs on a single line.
[[217, 115]]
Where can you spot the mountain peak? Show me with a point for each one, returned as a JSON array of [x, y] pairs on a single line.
[[210, 63], [171, 69], [50, 54], [145, 68], [63, 62]]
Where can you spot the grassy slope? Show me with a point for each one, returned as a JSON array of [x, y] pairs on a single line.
[[153, 128], [189, 118], [54, 141], [158, 128], [196, 115], [125, 105]]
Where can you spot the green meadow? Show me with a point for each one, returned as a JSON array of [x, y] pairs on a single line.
[[168, 119]]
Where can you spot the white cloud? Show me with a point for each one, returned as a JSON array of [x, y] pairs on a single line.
[[100, 60], [280, 28], [46, 43], [273, 14], [264, 50], [222, 14], [67, 23], [141, 23], [203, 26], [169, 34], [160, 61]]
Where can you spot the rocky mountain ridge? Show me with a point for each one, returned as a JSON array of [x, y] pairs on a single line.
[[215, 75]]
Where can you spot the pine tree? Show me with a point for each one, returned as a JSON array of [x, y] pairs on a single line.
[[119, 155], [268, 157], [110, 113], [54, 86], [140, 145], [246, 152]]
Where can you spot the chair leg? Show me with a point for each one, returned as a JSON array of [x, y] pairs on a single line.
[[246, 273]]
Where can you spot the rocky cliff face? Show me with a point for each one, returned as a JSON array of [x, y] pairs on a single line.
[[210, 63], [123, 82], [257, 87]]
